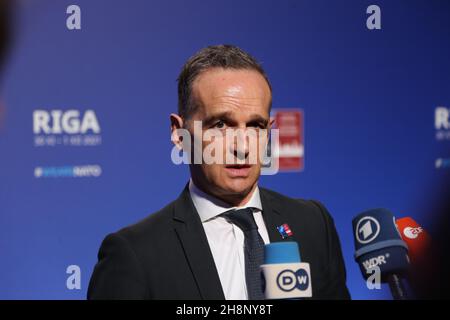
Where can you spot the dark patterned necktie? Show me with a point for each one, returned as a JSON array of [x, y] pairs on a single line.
[[253, 249]]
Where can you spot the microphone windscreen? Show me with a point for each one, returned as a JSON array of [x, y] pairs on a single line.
[[417, 239], [378, 244], [281, 252]]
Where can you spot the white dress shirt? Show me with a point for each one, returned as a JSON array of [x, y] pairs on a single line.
[[226, 240]]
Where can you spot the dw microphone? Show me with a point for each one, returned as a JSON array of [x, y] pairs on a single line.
[[285, 276]]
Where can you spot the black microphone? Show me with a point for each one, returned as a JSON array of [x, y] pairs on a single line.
[[378, 244]]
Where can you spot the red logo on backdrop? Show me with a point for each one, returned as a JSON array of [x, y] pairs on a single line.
[[291, 155]]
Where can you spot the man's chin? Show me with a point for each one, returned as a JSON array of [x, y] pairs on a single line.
[[238, 187]]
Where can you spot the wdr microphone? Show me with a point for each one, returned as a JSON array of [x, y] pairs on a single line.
[[417, 239], [378, 245], [286, 277]]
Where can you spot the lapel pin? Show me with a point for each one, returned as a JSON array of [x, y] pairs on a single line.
[[285, 231]]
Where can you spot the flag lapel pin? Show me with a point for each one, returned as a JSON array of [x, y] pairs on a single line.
[[285, 231]]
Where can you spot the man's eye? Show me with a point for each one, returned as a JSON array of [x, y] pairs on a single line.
[[219, 124]]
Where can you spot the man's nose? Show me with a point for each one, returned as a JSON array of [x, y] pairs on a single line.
[[240, 145]]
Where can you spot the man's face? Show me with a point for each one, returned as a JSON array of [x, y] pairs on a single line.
[[230, 100]]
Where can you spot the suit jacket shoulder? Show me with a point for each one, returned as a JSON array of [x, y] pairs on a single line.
[[164, 256]]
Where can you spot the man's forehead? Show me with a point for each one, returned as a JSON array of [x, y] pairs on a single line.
[[216, 84], [241, 91]]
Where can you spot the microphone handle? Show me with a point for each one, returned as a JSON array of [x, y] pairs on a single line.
[[397, 288]]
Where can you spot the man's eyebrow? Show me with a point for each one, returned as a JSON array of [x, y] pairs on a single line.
[[258, 119], [227, 115]]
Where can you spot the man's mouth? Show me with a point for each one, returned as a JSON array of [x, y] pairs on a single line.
[[238, 170]]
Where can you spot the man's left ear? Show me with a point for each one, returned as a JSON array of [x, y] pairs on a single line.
[[176, 123]]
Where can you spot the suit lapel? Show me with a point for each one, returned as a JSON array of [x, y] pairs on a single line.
[[193, 239], [273, 216]]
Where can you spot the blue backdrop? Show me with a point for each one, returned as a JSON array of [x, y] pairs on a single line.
[[369, 99]]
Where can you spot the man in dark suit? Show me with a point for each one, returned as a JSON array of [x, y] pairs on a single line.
[[208, 244]]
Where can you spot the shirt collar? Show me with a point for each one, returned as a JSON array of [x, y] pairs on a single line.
[[209, 207]]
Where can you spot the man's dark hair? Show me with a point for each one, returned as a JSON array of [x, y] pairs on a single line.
[[219, 56]]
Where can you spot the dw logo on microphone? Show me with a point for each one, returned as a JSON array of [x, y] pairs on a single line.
[[367, 229], [289, 280]]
